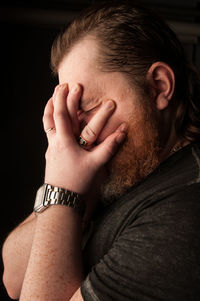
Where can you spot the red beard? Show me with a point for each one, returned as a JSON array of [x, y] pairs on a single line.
[[136, 159]]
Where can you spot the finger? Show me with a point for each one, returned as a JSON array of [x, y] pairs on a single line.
[[92, 130], [48, 121], [73, 105], [61, 116], [104, 151]]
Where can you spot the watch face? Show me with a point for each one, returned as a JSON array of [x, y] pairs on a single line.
[[39, 198]]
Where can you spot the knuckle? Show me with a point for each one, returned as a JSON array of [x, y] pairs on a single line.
[[88, 132], [59, 115], [46, 117]]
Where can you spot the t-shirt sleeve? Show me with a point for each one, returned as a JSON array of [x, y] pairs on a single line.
[[156, 257]]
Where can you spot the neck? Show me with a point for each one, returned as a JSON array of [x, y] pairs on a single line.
[[173, 144]]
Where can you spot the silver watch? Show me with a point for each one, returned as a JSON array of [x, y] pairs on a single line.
[[48, 195]]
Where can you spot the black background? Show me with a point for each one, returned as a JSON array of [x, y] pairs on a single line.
[[27, 30]]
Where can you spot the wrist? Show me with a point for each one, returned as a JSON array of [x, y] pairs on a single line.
[[49, 195]]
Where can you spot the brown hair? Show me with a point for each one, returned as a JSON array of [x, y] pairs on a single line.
[[131, 39]]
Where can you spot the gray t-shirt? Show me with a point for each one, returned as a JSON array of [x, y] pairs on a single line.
[[146, 245]]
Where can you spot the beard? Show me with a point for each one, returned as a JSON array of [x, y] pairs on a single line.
[[137, 157]]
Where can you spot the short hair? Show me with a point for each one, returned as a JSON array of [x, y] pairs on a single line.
[[131, 39]]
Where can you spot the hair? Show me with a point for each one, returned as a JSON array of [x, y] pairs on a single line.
[[131, 39]]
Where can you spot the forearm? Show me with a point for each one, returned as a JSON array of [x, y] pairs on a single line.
[[16, 251], [54, 270], [55, 266]]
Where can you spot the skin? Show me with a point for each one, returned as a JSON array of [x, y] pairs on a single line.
[[64, 250], [81, 110], [97, 87]]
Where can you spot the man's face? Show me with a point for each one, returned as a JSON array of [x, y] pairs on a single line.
[[138, 156]]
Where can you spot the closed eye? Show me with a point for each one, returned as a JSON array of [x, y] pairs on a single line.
[[88, 111]]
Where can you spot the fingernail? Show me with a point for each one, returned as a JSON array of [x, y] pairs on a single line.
[[75, 89], [120, 138], [110, 104], [59, 87], [62, 86], [123, 127]]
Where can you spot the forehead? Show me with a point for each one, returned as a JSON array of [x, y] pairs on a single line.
[[80, 63], [80, 66]]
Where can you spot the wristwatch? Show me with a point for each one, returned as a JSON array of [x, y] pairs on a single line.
[[48, 195]]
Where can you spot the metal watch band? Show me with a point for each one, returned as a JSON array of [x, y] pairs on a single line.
[[51, 195]]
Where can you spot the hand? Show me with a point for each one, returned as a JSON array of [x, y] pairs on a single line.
[[67, 164]]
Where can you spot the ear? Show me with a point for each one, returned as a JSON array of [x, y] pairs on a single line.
[[162, 80]]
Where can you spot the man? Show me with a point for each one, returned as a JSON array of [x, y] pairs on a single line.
[[123, 128]]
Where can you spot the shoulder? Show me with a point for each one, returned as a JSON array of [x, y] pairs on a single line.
[[147, 244], [171, 193]]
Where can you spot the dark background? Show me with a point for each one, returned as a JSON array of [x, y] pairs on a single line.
[[27, 32]]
